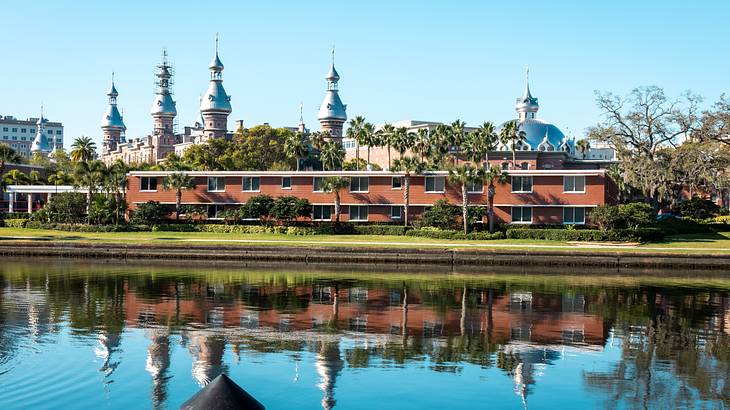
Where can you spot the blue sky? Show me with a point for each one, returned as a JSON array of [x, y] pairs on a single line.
[[426, 60]]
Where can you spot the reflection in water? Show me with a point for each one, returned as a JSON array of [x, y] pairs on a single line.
[[672, 337]]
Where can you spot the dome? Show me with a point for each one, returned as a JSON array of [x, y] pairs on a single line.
[[41, 142], [216, 64], [216, 99], [113, 91], [332, 107], [112, 118], [163, 104], [538, 131], [332, 75]]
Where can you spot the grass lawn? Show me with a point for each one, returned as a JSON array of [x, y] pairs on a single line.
[[696, 243]]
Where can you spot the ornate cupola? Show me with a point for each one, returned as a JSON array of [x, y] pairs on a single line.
[[332, 112], [41, 144], [216, 104], [526, 105], [112, 125], [163, 109]]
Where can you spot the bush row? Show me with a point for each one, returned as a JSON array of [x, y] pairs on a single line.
[[453, 234], [14, 222], [640, 235], [14, 215]]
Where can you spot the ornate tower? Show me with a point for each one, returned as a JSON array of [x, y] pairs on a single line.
[[526, 105], [41, 144], [216, 104], [332, 112], [163, 109], [112, 126]]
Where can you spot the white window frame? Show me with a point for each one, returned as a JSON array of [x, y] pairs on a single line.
[[322, 208], [435, 178], [572, 209], [522, 184], [282, 183], [359, 184], [245, 188], [141, 184], [400, 183], [393, 215], [566, 178], [359, 207], [470, 186], [314, 184], [217, 206], [217, 187], [522, 208]]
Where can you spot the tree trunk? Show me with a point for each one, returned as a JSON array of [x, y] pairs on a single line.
[[389, 166], [406, 197], [89, 195], [490, 206], [464, 210], [337, 207], [514, 158], [178, 200], [357, 155], [368, 155]]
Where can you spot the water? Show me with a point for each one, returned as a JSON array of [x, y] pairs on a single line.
[[120, 336]]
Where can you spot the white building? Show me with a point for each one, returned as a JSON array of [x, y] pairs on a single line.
[[19, 134]]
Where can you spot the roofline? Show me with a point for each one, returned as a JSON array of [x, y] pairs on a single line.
[[519, 172]]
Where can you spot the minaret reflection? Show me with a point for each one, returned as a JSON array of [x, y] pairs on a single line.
[[207, 352], [109, 342], [158, 363], [329, 364]]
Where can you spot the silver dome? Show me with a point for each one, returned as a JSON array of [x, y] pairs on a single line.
[[332, 107], [216, 99], [539, 131], [112, 118], [332, 75], [41, 142], [216, 64], [163, 104]]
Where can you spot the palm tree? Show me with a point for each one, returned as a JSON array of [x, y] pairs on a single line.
[[439, 144], [89, 174], [59, 178], [354, 131], [335, 185], [463, 176], [582, 146], [318, 139], [370, 138], [295, 146], [511, 135], [8, 155], [422, 143], [178, 181], [34, 178], [456, 137], [474, 147], [403, 140], [386, 138], [83, 149], [409, 166], [117, 182], [489, 138], [15, 177], [332, 156], [490, 176]]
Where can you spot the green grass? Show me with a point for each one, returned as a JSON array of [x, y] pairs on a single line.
[[695, 243]]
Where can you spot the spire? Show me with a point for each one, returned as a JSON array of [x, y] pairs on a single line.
[[301, 113], [526, 95], [216, 98], [112, 118], [163, 104], [112, 91], [526, 105], [216, 66], [40, 141]]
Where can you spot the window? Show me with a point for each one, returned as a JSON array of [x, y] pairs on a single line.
[[214, 210], [435, 184], [521, 184], [358, 212], [505, 166], [22, 130], [359, 184], [216, 184], [5, 129], [397, 183], [285, 182], [574, 184], [317, 184], [521, 214], [50, 132], [525, 165], [476, 187], [396, 212], [15, 130], [322, 213], [251, 184], [31, 130], [574, 216], [58, 132], [148, 184]]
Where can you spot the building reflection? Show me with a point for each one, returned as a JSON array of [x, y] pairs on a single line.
[[158, 363]]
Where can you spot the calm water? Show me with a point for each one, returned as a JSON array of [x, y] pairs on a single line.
[[81, 335]]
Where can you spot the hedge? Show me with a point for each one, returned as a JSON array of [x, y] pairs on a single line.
[[453, 234], [640, 235], [397, 230], [14, 215], [14, 223]]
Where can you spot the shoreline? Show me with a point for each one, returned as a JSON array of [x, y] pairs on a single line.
[[616, 261]]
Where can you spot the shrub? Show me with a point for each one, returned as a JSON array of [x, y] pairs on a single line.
[[381, 230], [288, 208], [257, 207], [14, 215], [634, 215], [435, 233], [641, 234], [698, 208], [15, 223], [86, 228], [66, 207], [441, 215], [149, 213], [723, 219]]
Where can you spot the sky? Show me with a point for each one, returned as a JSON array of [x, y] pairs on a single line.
[[420, 60]]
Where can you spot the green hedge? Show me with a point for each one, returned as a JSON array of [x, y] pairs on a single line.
[[14, 215], [641, 235], [15, 222], [86, 228], [434, 233], [397, 230]]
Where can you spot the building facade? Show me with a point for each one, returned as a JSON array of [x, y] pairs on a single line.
[[20, 134], [531, 196]]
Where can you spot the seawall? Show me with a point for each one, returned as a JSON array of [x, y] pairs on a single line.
[[362, 256]]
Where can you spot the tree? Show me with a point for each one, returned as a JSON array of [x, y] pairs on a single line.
[[490, 176], [296, 146], [386, 138], [66, 207], [456, 139], [409, 166], [258, 207], [463, 176], [583, 146], [700, 167], [369, 138], [334, 185], [318, 139], [440, 146], [513, 137], [34, 178], [174, 162], [83, 149], [422, 143], [487, 134], [332, 156], [288, 208], [89, 174], [403, 140], [8, 155], [59, 178], [15, 177], [178, 181], [149, 213], [715, 123], [355, 132], [441, 215]]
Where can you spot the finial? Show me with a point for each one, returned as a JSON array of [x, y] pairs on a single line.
[[164, 55], [216, 43], [112, 77], [333, 54], [41, 110], [527, 73], [301, 115]]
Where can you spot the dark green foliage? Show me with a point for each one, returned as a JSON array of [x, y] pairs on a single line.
[[14, 222], [288, 208], [396, 230], [629, 216], [105, 210], [14, 215], [454, 234], [66, 207], [257, 207], [149, 213], [87, 228], [699, 208], [639, 235], [442, 215]]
